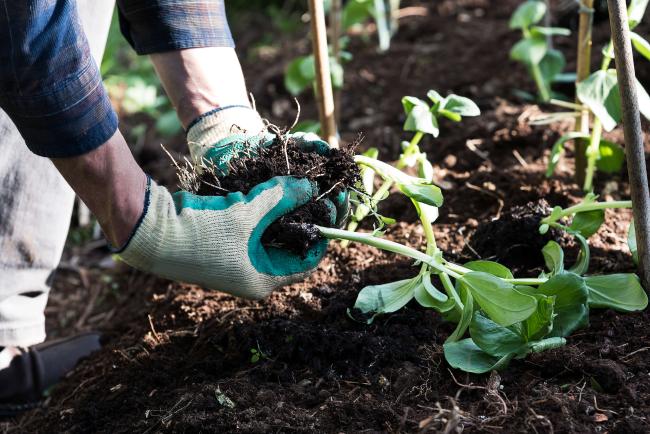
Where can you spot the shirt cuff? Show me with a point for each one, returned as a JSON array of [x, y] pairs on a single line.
[[158, 26]]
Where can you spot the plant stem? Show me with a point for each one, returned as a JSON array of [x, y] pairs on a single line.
[[389, 246], [454, 270], [592, 154], [544, 92], [584, 207]]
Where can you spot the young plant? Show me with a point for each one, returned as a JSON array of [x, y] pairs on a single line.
[[421, 119], [505, 317], [544, 63], [598, 95]]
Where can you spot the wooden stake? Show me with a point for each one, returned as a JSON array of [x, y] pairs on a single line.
[[582, 72], [323, 78], [634, 151], [335, 40]]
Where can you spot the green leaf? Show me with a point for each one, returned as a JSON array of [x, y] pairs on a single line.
[[336, 71], [635, 12], [549, 31], [420, 119], [385, 298], [425, 169], [540, 323], [553, 257], [612, 157], [307, 126], [528, 13], [498, 299], [168, 124], [621, 292], [467, 356], [428, 296], [600, 93], [643, 99], [460, 105], [547, 344], [571, 306], [640, 45], [529, 51], [587, 223], [299, 75], [490, 267], [582, 262], [465, 316], [409, 102], [434, 96], [493, 338], [356, 12], [428, 194], [432, 290], [558, 150], [631, 243], [552, 65]]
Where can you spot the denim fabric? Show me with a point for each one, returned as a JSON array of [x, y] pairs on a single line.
[[49, 84], [35, 208], [154, 26]]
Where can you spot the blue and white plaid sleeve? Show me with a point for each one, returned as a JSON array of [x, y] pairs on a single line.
[[154, 26], [50, 85]]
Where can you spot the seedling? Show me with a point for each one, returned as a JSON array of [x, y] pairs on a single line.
[[506, 317], [421, 119], [598, 94], [545, 64]]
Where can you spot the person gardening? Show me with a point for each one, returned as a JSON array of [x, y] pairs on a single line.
[[59, 136]]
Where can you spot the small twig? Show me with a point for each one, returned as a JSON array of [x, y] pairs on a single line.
[[328, 191], [153, 329], [627, 356], [519, 158], [602, 410]]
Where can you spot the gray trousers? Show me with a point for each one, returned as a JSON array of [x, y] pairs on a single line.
[[35, 209]]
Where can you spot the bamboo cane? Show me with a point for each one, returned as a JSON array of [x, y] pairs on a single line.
[[323, 78], [634, 151], [582, 72], [335, 35]]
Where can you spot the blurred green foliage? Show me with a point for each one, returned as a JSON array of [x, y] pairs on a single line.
[[134, 87]]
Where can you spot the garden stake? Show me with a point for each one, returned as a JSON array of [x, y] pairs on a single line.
[[335, 37], [323, 78], [633, 136], [582, 72]]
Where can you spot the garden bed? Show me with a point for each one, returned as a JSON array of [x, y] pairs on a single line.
[[182, 359]]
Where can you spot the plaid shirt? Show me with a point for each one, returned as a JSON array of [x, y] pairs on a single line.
[[49, 84]]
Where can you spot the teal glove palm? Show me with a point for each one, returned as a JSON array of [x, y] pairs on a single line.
[[216, 241]]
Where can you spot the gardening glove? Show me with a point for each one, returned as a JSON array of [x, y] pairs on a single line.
[[226, 133], [215, 241]]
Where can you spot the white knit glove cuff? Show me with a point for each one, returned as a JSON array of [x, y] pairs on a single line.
[[220, 123]]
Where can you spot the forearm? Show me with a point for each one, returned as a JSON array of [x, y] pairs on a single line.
[[111, 184], [198, 80]]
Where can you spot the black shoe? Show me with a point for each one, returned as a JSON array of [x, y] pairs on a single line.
[[37, 368]]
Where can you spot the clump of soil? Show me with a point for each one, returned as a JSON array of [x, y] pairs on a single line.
[[514, 239], [334, 172]]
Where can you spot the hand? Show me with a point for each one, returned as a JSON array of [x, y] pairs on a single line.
[[215, 241], [210, 138]]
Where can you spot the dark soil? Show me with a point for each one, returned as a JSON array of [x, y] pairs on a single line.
[[514, 239], [182, 359], [333, 172]]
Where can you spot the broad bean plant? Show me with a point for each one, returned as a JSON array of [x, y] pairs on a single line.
[[498, 316], [599, 95], [422, 118], [544, 63]]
